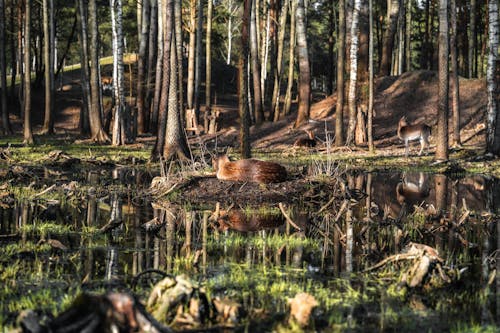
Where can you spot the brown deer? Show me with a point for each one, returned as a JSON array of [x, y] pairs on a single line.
[[310, 141], [413, 132], [248, 170]]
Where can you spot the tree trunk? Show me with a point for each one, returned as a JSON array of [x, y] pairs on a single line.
[[339, 110], [492, 79], [353, 73], [472, 39], [272, 45], [408, 36], [121, 120], [191, 54], [304, 69], [275, 104], [243, 81], [255, 69], [6, 129], [179, 55], [391, 26], [197, 60], [371, 146], [28, 133], [155, 108], [208, 67], [331, 46], [454, 74], [95, 113], [142, 64], [175, 139], [291, 58], [152, 55], [166, 12], [48, 59], [85, 70], [443, 85]]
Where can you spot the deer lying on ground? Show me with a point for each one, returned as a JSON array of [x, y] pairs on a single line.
[[408, 133], [310, 141], [248, 170]]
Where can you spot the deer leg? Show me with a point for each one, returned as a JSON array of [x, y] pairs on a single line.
[[406, 148]]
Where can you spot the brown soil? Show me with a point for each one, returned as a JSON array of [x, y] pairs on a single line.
[[412, 94]]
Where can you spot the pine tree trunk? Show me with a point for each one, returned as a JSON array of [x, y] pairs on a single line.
[[85, 71], [408, 36], [152, 55], [279, 62], [166, 22], [141, 67], [95, 113], [243, 81], [155, 108], [353, 73], [191, 54], [304, 69], [179, 47], [48, 59], [28, 133], [121, 121], [255, 69], [339, 113], [291, 58], [391, 27], [208, 68], [371, 146], [443, 84], [454, 74], [175, 139], [6, 129], [472, 39], [197, 60], [492, 82]]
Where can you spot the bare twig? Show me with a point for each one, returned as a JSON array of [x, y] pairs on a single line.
[[288, 219]]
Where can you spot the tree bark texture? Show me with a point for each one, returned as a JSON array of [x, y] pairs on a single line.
[[443, 84], [28, 133], [304, 85], [291, 58], [388, 44], [455, 98], [275, 104], [243, 81], [492, 79], [353, 73], [339, 109], [255, 69], [142, 66], [6, 129]]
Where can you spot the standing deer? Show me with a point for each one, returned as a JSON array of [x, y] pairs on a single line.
[[413, 132]]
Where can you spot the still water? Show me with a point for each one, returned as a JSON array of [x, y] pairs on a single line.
[[122, 239]]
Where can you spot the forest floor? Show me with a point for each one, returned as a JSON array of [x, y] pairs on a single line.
[[413, 94]]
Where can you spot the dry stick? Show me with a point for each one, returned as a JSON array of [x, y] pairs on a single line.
[[393, 258], [288, 219], [48, 189]]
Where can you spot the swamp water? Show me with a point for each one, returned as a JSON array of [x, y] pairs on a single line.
[[52, 250]]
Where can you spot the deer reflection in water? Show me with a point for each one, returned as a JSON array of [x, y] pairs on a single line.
[[410, 192]]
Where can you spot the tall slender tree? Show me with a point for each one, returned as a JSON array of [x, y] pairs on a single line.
[[121, 118], [142, 65], [6, 129], [191, 54], [291, 58], [371, 146], [275, 105], [48, 55], [243, 82], [443, 84], [391, 21], [304, 85], [339, 109], [28, 133], [255, 68], [85, 70], [95, 113], [353, 73], [208, 66], [472, 39], [455, 85], [492, 78]]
